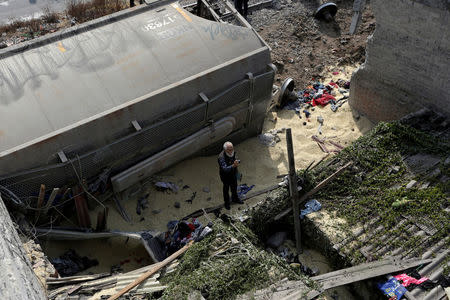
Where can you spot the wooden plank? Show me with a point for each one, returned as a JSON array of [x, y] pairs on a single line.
[[337, 145], [350, 275], [79, 278], [321, 160], [257, 193], [82, 210], [200, 212], [40, 201], [293, 190], [152, 271], [50, 200], [314, 190]]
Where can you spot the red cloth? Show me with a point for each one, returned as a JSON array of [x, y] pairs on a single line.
[[407, 280], [323, 100], [334, 84]]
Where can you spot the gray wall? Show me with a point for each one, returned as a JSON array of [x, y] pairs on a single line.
[[17, 279], [407, 60]]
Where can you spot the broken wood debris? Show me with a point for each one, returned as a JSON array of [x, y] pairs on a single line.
[[314, 190], [72, 279], [296, 289], [40, 201], [321, 143], [50, 200], [152, 271], [89, 284], [217, 208], [82, 208]]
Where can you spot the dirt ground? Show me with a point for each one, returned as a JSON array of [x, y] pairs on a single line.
[[304, 49]]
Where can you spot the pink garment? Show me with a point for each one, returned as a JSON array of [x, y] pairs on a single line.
[[407, 280]]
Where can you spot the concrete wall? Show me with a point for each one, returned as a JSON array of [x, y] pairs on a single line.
[[407, 60], [17, 279]]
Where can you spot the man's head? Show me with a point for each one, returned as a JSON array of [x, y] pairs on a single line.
[[228, 148]]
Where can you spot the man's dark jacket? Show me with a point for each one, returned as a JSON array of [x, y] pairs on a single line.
[[227, 172]]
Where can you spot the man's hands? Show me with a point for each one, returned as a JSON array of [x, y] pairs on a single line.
[[235, 164]]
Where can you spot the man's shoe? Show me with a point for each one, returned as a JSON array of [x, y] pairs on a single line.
[[227, 206], [239, 201]]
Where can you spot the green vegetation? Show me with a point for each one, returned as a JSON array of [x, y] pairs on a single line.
[[375, 186], [225, 264]]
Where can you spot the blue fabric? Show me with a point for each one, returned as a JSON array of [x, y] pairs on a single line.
[[243, 189], [171, 225], [310, 206], [167, 185], [392, 288]]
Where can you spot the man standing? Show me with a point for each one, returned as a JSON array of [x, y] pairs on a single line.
[[228, 173]]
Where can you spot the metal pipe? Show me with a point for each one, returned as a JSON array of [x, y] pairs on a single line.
[[174, 153]]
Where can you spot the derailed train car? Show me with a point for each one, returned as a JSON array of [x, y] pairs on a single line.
[[131, 94]]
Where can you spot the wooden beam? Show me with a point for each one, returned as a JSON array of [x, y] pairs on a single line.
[[152, 271], [40, 201], [297, 289], [50, 200], [257, 193], [314, 190], [200, 212], [82, 209], [293, 190]]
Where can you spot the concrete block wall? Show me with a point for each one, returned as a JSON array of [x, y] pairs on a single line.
[[407, 60]]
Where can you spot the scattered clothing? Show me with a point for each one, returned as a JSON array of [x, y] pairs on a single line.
[[333, 84], [71, 263], [428, 284], [180, 233], [142, 204], [407, 280], [243, 189], [323, 100], [163, 186], [392, 288], [310, 206]]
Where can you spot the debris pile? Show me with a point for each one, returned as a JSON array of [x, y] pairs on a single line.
[[182, 232], [318, 94], [71, 263]]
